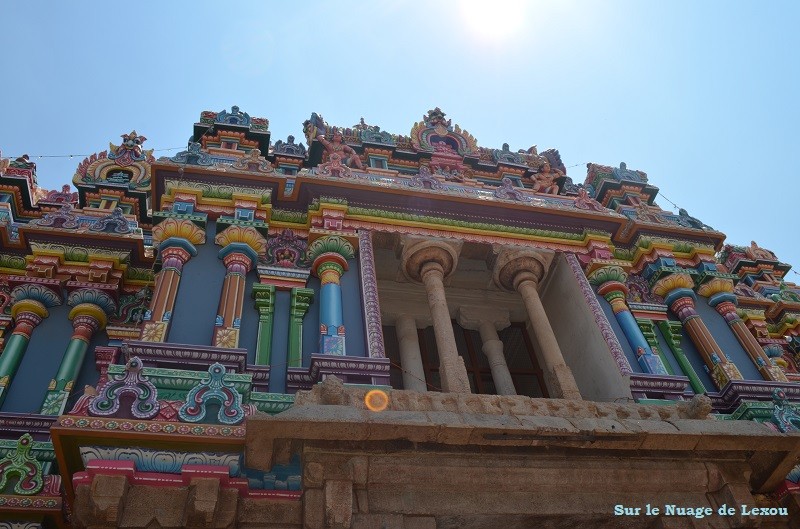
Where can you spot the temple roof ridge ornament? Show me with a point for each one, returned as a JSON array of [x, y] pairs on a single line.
[[373, 133], [113, 223], [129, 151], [289, 147], [623, 173], [234, 117], [505, 155], [126, 164], [193, 155], [435, 132]]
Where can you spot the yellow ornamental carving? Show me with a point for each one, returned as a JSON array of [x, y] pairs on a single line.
[[244, 235], [715, 286], [665, 285], [228, 338], [154, 331], [182, 229]]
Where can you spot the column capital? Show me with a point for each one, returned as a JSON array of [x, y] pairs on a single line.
[[716, 285], [512, 266], [238, 258], [178, 230], [301, 299], [609, 278], [46, 296], [264, 296], [674, 286], [473, 317], [87, 318], [27, 314], [90, 307], [29, 306], [241, 247], [330, 248], [418, 252]]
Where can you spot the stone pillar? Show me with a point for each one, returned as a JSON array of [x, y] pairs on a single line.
[[330, 255], [176, 239], [522, 270], [89, 315], [487, 322], [27, 314], [610, 283], [725, 304], [430, 262], [300, 301], [493, 349], [265, 304], [410, 356], [676, 289]]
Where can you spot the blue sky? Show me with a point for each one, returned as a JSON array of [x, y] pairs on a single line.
[[700, 95]]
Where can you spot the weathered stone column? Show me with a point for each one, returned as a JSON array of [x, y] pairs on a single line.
[[176, 240], [487, 322], [410, 356], [676, 289], [89, 314], [241, 247], [521, 270], [430, 262]]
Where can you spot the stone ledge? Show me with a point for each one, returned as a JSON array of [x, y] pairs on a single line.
[[333, 412]]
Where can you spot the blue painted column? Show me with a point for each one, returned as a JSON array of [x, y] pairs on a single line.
[[610, 283], [329, 268], [330, 255]]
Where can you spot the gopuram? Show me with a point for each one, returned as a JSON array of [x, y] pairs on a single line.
[[365, 330]]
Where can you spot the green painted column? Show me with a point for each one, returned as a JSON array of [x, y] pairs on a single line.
[[27, 314], [672, 332], [648, 330], [301, 300], [87, 318], [264, 296]]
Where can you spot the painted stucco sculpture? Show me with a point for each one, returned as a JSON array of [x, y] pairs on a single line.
[[345, 331]]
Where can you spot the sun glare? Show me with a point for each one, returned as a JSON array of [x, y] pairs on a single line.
[[493, 20]]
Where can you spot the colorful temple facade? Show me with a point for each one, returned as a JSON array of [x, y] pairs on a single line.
[[370, 329]]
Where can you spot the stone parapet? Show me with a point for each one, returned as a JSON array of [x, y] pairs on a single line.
[[461, 460]]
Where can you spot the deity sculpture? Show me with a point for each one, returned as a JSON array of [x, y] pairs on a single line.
[[545, 179], [337, 146]]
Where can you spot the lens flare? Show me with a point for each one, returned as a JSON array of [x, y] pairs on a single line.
[[376, 400]]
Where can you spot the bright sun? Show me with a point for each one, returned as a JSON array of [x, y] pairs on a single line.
[[493, 20]]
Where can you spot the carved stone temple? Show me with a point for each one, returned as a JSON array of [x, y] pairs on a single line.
[[366, 330]]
